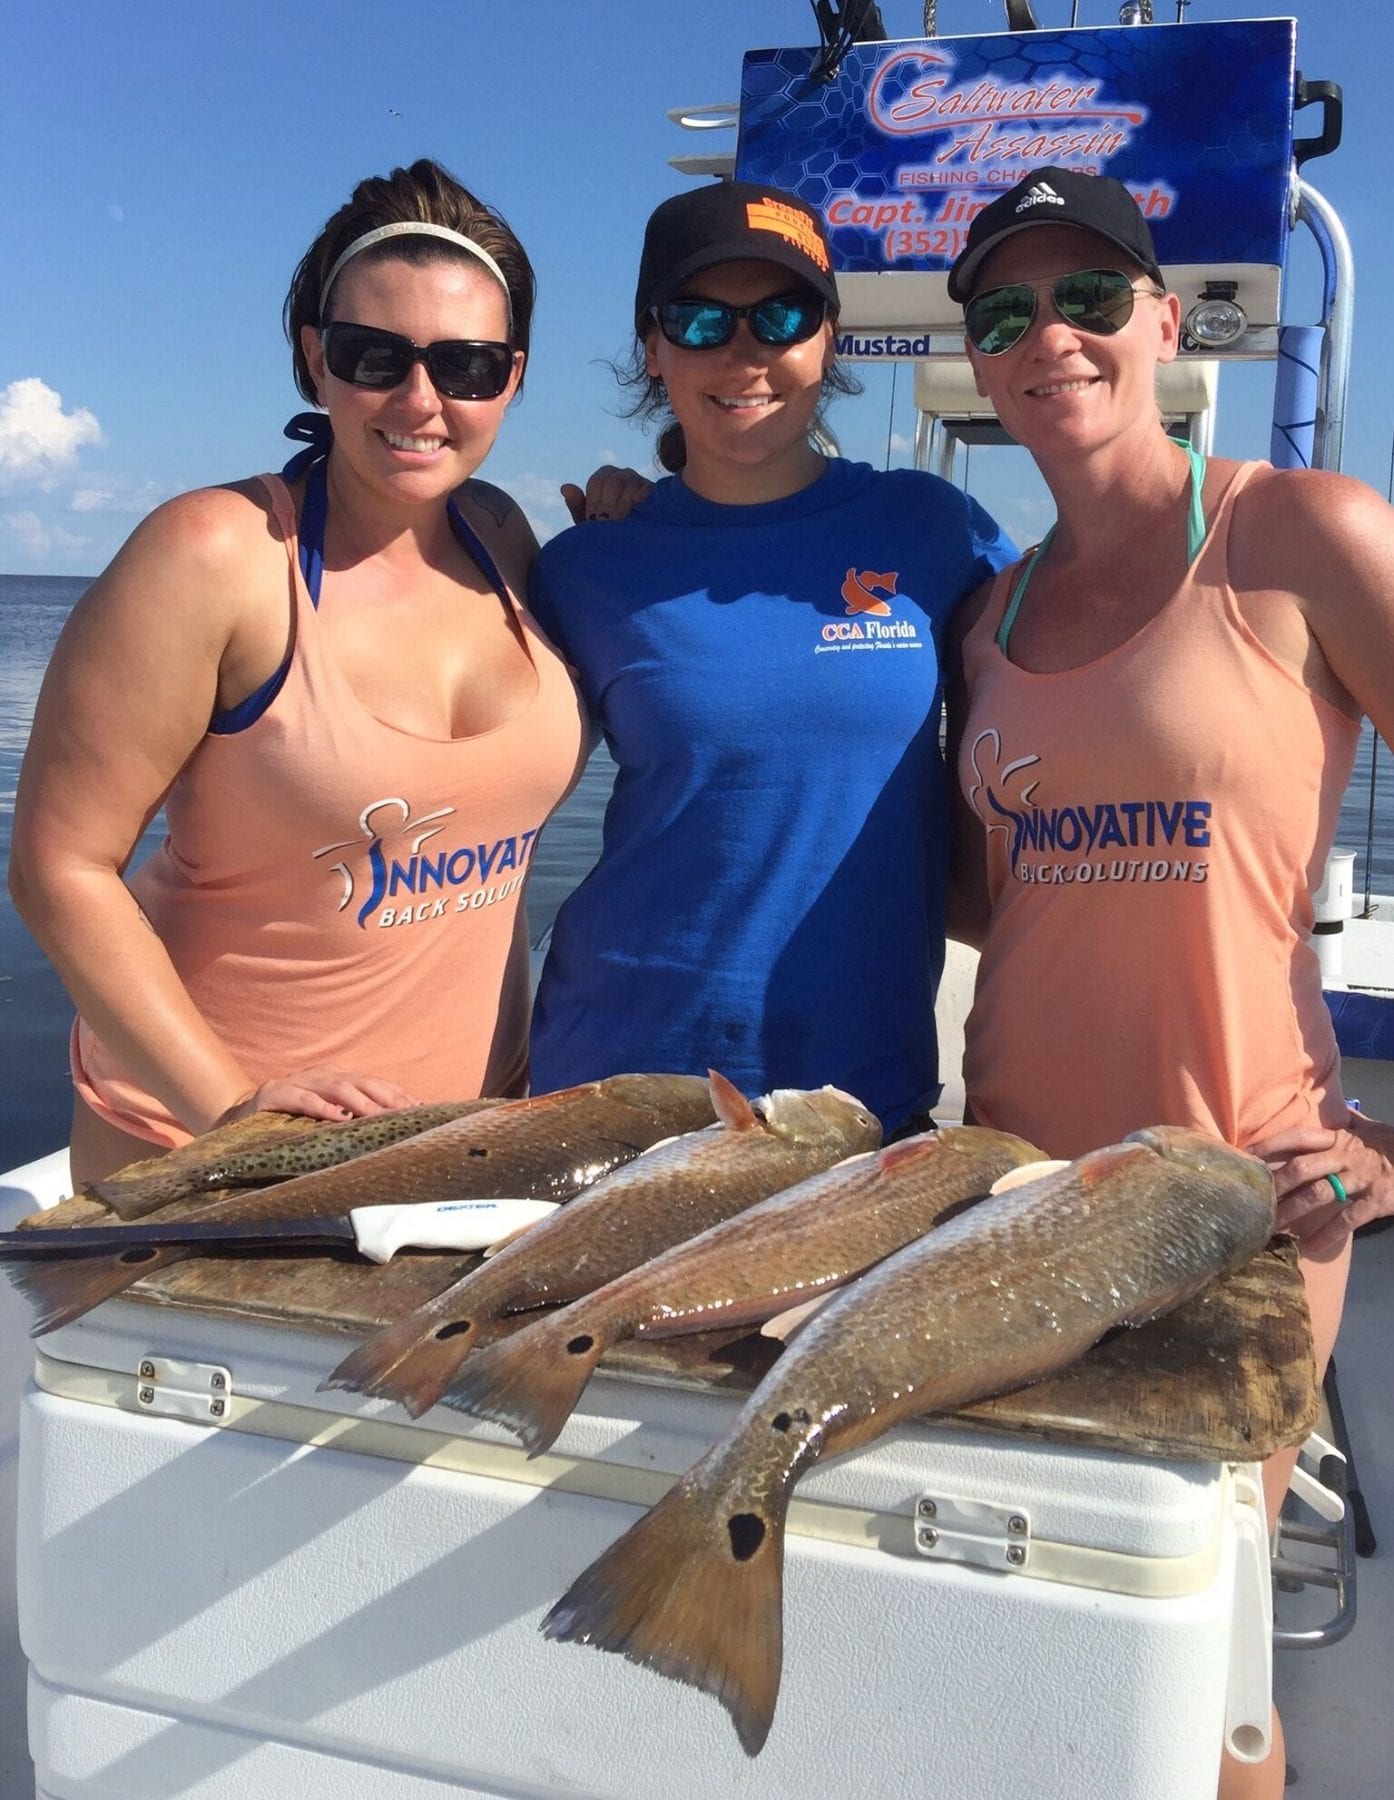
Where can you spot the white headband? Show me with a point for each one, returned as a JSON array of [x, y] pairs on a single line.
[[408, 228]]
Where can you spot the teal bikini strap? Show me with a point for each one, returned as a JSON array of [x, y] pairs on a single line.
[[1195, 520], [1195, 537], [1004, 630]]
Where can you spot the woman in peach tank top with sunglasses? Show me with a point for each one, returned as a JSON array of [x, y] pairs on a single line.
[[1154, 722], [328, 681]]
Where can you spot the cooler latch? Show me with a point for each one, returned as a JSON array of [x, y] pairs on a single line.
[[183, 1390], [986, 1534]]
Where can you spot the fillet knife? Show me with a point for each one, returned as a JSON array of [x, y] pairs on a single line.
[[376, 1232]]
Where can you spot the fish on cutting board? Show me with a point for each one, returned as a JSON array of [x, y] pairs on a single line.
[[804, 1241], [669, 1195], [1012, 1290], [265, 1148], [548, 1147]]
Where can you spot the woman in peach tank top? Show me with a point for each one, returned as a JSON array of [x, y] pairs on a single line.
[[1155, 719], [355, 728]]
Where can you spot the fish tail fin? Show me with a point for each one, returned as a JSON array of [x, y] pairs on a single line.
[[411, 1361], [530, 1381], [697, 1600], [134, 1198], [62, 1288]]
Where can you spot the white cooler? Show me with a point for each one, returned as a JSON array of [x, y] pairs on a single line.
[[233, 1588]]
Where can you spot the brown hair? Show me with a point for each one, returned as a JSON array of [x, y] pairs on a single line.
[[423, 194]]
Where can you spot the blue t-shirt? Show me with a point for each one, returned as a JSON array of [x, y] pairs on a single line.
[[769, 899]]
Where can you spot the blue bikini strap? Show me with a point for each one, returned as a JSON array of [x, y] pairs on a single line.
[[313, 429]]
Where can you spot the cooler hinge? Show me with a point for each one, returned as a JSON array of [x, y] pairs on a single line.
[[183, 1390], [986, 1534]]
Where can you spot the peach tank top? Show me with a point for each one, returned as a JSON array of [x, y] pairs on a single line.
[[1156, 820], [337, 890]]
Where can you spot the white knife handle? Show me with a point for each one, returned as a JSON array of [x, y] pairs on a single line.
[[442, 1224]]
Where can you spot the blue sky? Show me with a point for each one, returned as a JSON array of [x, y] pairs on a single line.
[[166, 164]]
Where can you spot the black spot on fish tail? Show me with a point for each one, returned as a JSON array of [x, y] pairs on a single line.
[[668, 1595], [746, 1532], [784, 1421], [524, 1381], [66, 1287], [411, 1361]]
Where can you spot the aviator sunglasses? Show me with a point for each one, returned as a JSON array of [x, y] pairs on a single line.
[[461, 368], [783, 319], [1095, 300]]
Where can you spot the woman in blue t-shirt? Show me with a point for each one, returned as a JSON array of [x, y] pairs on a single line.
[[759, 642]]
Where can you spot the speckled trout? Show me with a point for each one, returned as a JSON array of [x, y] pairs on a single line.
[[265, 1148], [1012, 1290], [807, 1240], [674, 1192], [548, 1147]]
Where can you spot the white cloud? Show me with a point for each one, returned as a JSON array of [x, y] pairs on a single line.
[[540, 495], [29, 530], [37, 438], [116, 213], [1026, 517], [38, 540], [540, 498], [133, 502]]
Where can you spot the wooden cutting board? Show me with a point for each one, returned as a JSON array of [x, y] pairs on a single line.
[[1229, 1376]]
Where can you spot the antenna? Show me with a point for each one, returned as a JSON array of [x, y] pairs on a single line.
[[842, 23]]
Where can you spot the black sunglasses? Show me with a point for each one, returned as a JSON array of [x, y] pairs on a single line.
[[461, 368], [1096, 300], [783, 319]]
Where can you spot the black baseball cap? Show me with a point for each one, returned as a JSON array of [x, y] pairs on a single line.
[[726, 222], [1094, 203]]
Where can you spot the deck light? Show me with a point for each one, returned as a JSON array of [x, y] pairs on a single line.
[[1217, 318]]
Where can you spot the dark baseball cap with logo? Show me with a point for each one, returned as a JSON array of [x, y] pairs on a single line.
[[728, 222], [1094, 203]]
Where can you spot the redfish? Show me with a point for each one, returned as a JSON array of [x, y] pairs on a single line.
[[1012, 1290], [548, 1147], [265, 1148], [803, 1242], [673, 1193]]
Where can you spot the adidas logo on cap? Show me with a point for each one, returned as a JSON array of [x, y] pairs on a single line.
[[1042, 194]]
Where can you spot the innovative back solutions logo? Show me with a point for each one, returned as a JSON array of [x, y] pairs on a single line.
[[435, 886], [1094, 841]]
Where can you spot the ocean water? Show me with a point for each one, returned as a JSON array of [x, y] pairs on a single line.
[[35, 1098]]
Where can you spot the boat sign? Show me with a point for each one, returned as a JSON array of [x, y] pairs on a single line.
[[910, 140]]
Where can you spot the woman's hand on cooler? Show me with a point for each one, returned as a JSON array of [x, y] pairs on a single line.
[[330, 1094], [1330, 1182], [610, 493]]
